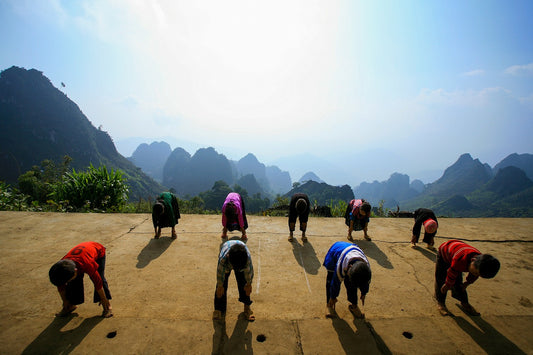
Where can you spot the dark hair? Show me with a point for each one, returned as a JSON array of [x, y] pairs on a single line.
[[230, 211], [158, 208], [487, 265], [62, 271], [366, 207], [301, 205], [238, 257], [359, 276]]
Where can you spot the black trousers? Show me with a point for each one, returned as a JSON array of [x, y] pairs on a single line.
[[221, 303], [351, 293], [428, 238], [75, 291], [441, 270]]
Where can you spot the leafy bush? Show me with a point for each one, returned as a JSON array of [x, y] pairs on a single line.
[[97, 189], [38, 183], [11, 199], [338, 208]]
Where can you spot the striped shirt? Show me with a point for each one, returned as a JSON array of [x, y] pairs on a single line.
[[337, 259], [224, 266], [459, 256]]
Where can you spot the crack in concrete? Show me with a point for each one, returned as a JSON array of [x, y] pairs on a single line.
[[406, 260], [130, 230], [298, 336]]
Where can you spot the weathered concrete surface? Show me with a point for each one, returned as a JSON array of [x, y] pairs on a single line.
[[163, 289]]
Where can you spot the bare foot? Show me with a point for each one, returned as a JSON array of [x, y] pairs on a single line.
[[330, 312], [107, 313], [443, 310], [66, 311], [468, 309], [224, 236], [157, 235], [367, 238], [304, 238], [248, 313], [356, 311], [174, 235], [350, 238], [244, 238], [217, 315], [291, 238], [413, 245]]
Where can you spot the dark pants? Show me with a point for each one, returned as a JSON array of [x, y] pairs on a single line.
[[292, 226], [428, 238], [441, 270], [220, 303], [351, 293], [75, 291], [234, 225]]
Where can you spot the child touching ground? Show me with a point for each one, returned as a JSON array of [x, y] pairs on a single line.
[[67, 275], [298, 209], [346, 262], [234, 255], [453, 258]]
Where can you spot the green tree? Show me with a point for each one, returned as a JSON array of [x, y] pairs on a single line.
[[215, 197], [38, 183]]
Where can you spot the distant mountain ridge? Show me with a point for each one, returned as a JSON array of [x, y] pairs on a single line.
[[38, 122], [189, 175], [323, 193], [152, 158], [467, 188]]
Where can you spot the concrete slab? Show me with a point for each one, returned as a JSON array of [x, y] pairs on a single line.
[[163, 289]]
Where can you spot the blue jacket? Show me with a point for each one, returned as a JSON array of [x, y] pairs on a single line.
[[337, 260]]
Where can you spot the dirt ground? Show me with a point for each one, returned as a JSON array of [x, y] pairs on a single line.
[[163, 289]]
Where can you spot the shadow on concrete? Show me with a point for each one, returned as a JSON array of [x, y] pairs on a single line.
[[240, 341], [428, 253], [487, 337], [54, 341], [153, 250], [306, 257], [358, 342], [371, 250]]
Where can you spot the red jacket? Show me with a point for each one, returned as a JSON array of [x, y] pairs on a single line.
[[459, 256], [85, 256]]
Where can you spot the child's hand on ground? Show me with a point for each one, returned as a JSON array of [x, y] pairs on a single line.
[[107, 313]]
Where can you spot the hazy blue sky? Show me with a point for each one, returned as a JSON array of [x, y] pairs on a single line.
[[376, 86]]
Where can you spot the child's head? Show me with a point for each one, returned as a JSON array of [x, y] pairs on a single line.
[[359, 276], [231, 212], [238, 257], [301, 206], [158, 208], [365, 207], [62, 272], [486, 265]]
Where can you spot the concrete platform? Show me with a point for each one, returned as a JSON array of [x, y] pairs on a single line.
[[163, 289]]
